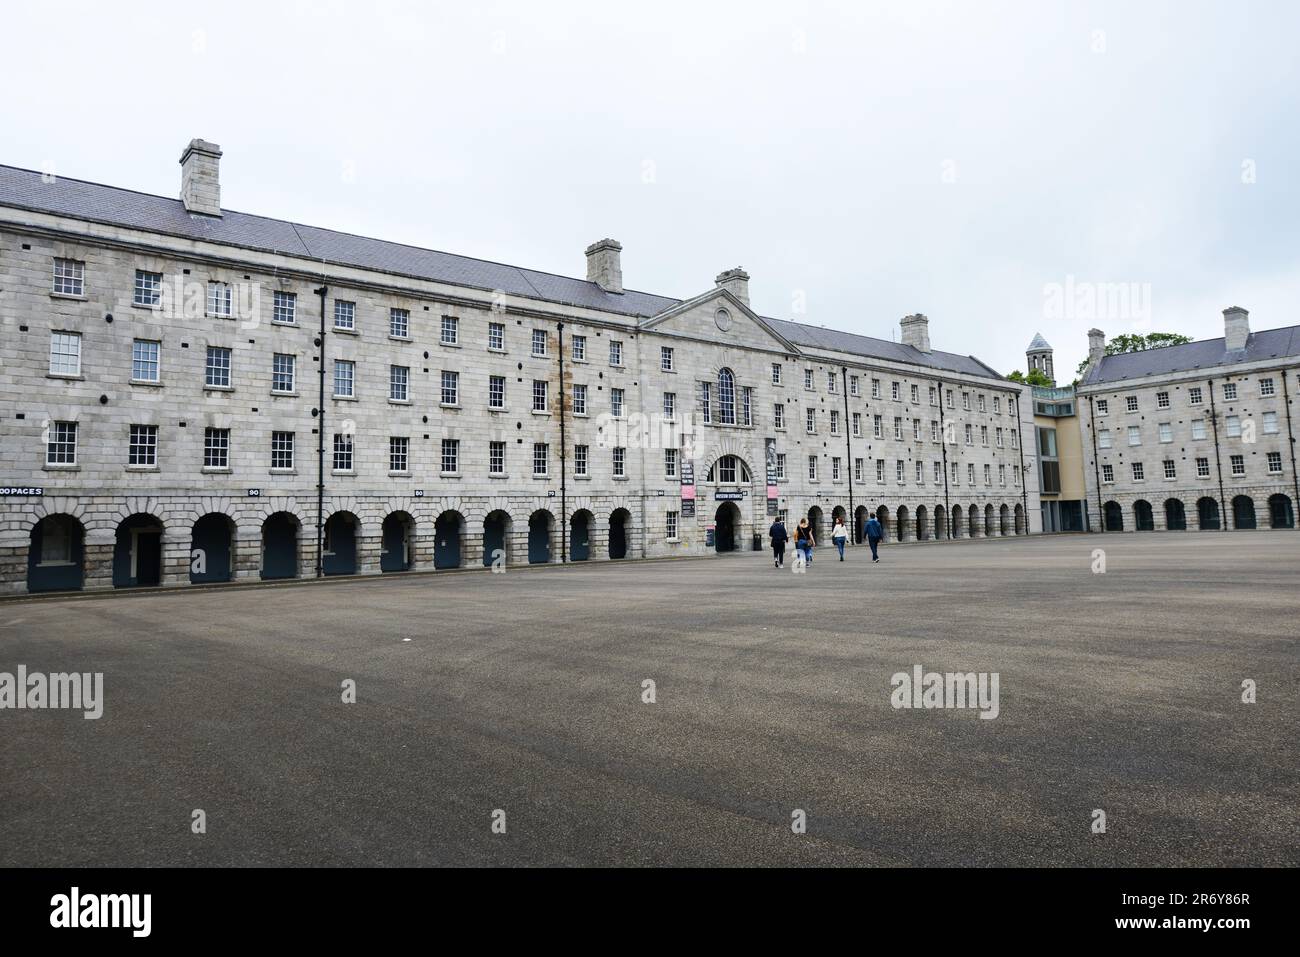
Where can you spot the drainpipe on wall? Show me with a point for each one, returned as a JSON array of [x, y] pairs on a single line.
[[1218, 461], [564, 499], [943, 450], [1024, 476], [1096, 468], [323, 291], [1290, 434], [848, 450]]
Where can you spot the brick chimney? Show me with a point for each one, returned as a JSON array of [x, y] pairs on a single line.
[[1236, 328], [736, 282], [605, 265], [916, 332], [201, 178], [1096, 346]]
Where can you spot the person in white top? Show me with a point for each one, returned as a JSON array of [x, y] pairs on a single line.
[[840, 535]]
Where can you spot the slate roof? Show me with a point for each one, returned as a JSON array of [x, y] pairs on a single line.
[[93, 202], [1205, 354], [1038, 343]]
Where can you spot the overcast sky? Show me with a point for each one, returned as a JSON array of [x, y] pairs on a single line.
[[862, 161]]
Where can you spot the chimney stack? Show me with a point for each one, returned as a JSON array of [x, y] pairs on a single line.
[[736, 282], [916, 332], [605, 265], [201, 178], [1096, 346], [1236, 328]]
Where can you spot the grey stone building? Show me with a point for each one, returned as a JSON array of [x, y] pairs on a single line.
[[1195, 436], [193, 394]]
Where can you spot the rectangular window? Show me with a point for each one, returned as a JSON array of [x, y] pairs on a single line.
[[1198, 428], [965, 401], [835, 468], [665, 358], [144, 360], [855, 387], [670, 526], [670, 463], [776, 373], [65, 353], [342, 452], [1166, 430], [1108, 473], [835, 421], [1102, 406], [997, 405], [1270, 423], [999, 436], [894, 391], [1274, 463], [988, 475], [216, 448], [450, 459], [345, 315], [580, 460], [706, 402], [539, 342], [579, 399], [951, 403], [497, 458], [620, 462], [615, 352], [857, 470], [1138, 472], [497, 336], [450, 392], [1238, 464], [541, 459], [1266, 387], [1162, 400], [984, 435], [875, 388], [857, 425], [399, 453], [1194, 395], [778, 416], [580, 348], [900, 471], [970, 473], [1233, 424], [938, 472], [616, 402], [830, 382], [344, 378], [970, 438], [1170, 469], [1015, 439], [282, 450], [880, 471], [780, 466], [878, 426], [220, 302], [898, 428], [920, 472], [812, 468], [398, 379], [670, 405], [980, 400], [916, 395], [1131, 403], [1134, 435], [284, 307], [143, 449], [808, 379], [1202, 468], [934, 396], [282, 372], [539, 395], [399, 324], [497, 392], [1002, 475], [746, 405], [810, 420], [216, 371], [449, 331], [148, 288], [69, 277], [1103, 439], [61, 445], [1229, 390]]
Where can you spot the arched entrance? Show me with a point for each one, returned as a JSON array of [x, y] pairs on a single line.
[[726, 530], [1021, 527], [448, 540], [280, 546], [973, 521], [1004, 520], [1114, 517], [56, 555], [922, 526], [815, 523], [396, 553], [212, 549], [882, 516], [496, 538], [1207, 514], [137, 552], [1243, 512], [339, 551], [620, 521], [990, 527], [940, 523], [859, 524], [540, 525], [900, 522], [1280, 512], [957, 521], [1175, 515], [1143, 520], [580, 535]]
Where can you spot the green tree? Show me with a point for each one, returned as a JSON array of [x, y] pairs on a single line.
[[1035, 377], [1137, 342]]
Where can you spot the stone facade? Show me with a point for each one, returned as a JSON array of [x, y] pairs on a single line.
[[146, 369]]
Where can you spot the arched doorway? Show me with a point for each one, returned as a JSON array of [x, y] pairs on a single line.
[[212, 549], [56, 555], [580, 535], [973, 521], [137, 552], [1021, 527], [1114, 517], [900, 522], [620, 521], [990, 528], [448, 540], [280, 546], [1243, 512], [838, 514], [726, 527], [859, 524], [956, 521], [1280, 512], [922, 528], [540, 525], [339, 550], [1004, 520], [815, 523], [882, 516], [1143, 520], [1175, 515], [1207, 514], [940, 523], [396, 552], [496, 538]]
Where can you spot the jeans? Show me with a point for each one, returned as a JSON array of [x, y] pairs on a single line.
[[806, 550], [778, 552], [839, 543], [873, 542]]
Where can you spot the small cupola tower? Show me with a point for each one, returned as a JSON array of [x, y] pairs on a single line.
[[1039, 355]]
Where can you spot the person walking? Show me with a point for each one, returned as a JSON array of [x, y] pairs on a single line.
[[874, 534], [840, 536], [804, 540], [779, 537]]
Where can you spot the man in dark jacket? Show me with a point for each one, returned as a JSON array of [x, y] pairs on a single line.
[[779, 537], [874, 534]]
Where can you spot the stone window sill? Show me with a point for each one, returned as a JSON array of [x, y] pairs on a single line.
[[149, 383], [68, 295], [449, 475], [346, 332], [216, 470], [277, 394], [60, 468], [65, 376], [344, 398]]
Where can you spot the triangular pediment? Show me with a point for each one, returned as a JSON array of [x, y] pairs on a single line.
[[740, 325]]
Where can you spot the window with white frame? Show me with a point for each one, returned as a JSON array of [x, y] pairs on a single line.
[[938, 472], [894, 391], [880, 471], [539, 395], [855, 386], [539, 342], [282, 372], [1102, 406], [69, 277], [900, 471], [143, 446], [1238, 464], [1108, 473], [950, 400], [497, 458], [216, 448], [1274, 463], [345, 315], [746, 405], [1134, 435], [1202, 468], [399, 453], [988, 475], [666, 358], [580, 460], [706, 402], [216, 368], [898, 428], [878, 426], [344, 378], [776, 373], [148, 288], [934, 396], [398, 383], [875, 388], [920, 472], [726, 397], [399, 324], [1166, 431], [620, 461], [1233, 426], [916, 394], [830, 382], [965, 401], [984, 435], [450, 391], [282, 451], [220, 300], [1198, 428], [61, 444], [1138, 472], [497, 392], [449, 462], [1270, 423], [1162, 400], [998, 436], [955, 476], [449, 331], [857, 425], [65, 353], [810, 420], [1002, 475], [670, 406], [1131, 403], [615, 352], [812, 468], [1195, 396], [979, 399], [835, 468], [144, 360], [1266, 387], [670, 463], [497, 336], [835, 421], [1171, 470], [579, 398], [997, 405], [541, 459], [579, 348], [615, 402], [342, 452], [670, 526], [284, 307], [970, 436], [970, 473], [858, 474], [808, 379], [1103, 439], [780, 466], [1229, 390]]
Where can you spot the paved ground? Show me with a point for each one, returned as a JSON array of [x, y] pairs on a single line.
[[522, 691]]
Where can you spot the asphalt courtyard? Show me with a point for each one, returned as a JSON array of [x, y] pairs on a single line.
[[523, 692]]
